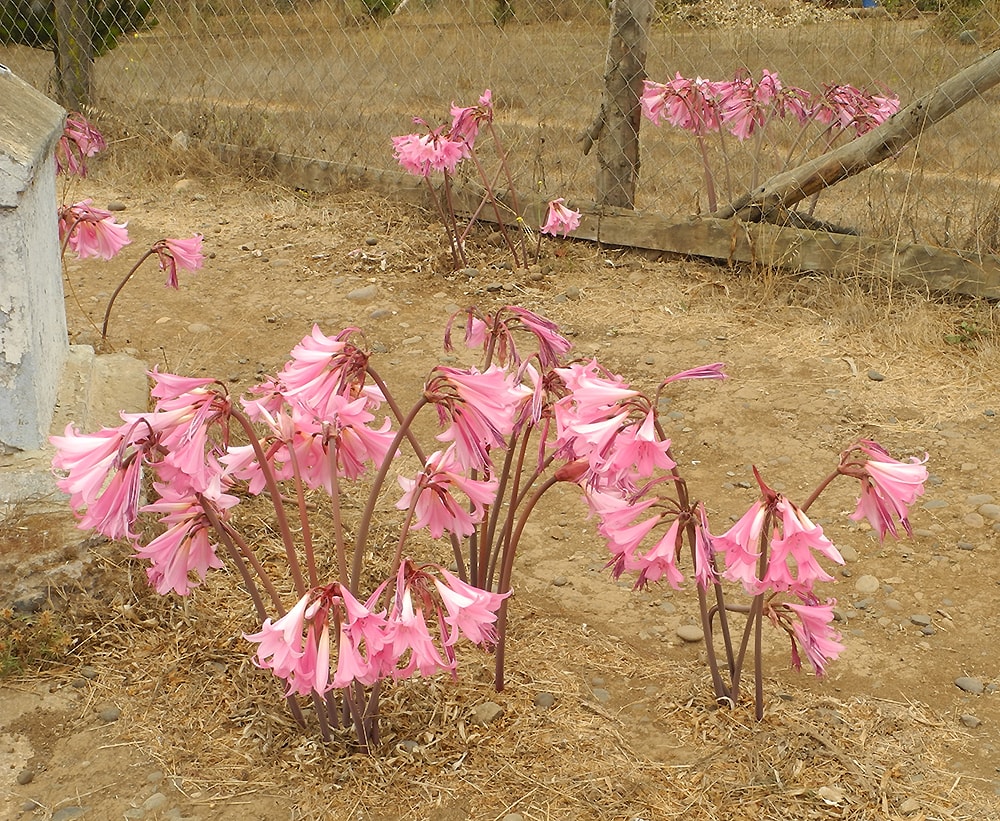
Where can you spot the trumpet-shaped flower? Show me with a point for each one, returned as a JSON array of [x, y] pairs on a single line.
[[813, 633], [888, 489], [472, 612], [179, 253], [431, 496], [560, 219], [91, 232]]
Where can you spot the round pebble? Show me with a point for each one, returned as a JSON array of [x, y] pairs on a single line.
[[109, 713], [560, 581], [545, 700], [970, 721], [920, 619], [486, 713], [690, 633], [875, 376], [969, 684], [25, 777], [866, 584], [364, 294]]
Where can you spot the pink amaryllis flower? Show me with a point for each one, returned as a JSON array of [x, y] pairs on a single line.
[[465, 122], [471, 612], [714, 371], [437, 150], [684, 103], [497, 331], [79, 141], [103, 475], [430, 495], [91, 232], [889, 487], [810, 629], [186, 545], [179, 253], [481, 407], [560, 219]]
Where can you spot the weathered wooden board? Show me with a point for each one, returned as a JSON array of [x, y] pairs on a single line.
[[941, 270]]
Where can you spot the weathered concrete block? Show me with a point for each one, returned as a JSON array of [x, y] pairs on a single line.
[[33, 340]]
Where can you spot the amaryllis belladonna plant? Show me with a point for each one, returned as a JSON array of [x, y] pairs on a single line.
[[745, 107], [440, 150], [92, 232], [329, 627]]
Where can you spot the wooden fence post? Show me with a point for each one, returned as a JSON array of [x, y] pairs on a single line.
[[74, 53], [618, 122]]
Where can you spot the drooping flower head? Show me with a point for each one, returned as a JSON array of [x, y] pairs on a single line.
[[437, 150], [465, 122], [79, 141], [560, 219], [889, 487], [809, 625], [688, 104], [179, 253], [91, 232], [496, 334]]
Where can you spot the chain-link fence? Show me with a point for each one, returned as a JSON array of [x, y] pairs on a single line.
[[336, 79]]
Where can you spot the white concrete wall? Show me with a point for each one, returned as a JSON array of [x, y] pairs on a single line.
[[33, 340]]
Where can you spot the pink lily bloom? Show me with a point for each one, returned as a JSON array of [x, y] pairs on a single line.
[[185, 546], [408, 631], [481, 406], [637, 452], [704, 551], [815, 635], [888, 489], [91, 232], [280, 646], [661, 560], [421, 154], [322, 368], [79, 141], [713, 371], [465, 122], [740, 547], [434, 505], [688, 104], [472, 612], [183, 253], [791, 564], [560, 219]]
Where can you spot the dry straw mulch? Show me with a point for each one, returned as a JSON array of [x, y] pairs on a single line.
[[659, 749]]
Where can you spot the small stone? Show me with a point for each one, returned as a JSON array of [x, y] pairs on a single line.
[[155, 802], [88, 672], [920, 619], [198, 328], [25, 777], [989, 412], [486, 713], [970, 721], [30, 602], [602, 695], [68, 813], [494, 287], [114, 205], [968, 37], [935, 504], [690, 633], [966, 546], [109, 714], [368, 292], [545, 700], [848, 552], [893, 604], [977, 499], [969, 684], [969, 467], [875, 376], [974, 520], [535, 276], [470, 273], [866, 584], [409, 746], [560, 581], [371, 241], [513, 816], [412, 340], [990, 511], [573, 292], [910, 805]]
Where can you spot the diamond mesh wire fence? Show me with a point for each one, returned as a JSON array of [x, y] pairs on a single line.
[[336, 79]]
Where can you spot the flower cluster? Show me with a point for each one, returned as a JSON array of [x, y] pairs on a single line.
[[745, 105], [78, 142], [530, 417], [441, 149]]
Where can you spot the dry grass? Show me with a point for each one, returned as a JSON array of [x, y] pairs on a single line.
[[657, 750]]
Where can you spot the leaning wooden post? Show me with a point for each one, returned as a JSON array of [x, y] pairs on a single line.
[[618, 122], [74, 53]]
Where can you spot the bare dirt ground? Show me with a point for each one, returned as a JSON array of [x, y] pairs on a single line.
[[155, 712]]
